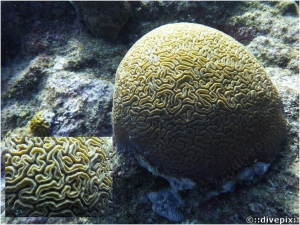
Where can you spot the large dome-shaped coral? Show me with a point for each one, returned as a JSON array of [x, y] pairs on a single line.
[[193, 102]]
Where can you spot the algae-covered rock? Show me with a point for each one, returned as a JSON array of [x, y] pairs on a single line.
[[288, 8], [104, 19]]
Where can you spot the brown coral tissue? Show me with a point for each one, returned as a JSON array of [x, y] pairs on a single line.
[[57, 176], [193, 102]]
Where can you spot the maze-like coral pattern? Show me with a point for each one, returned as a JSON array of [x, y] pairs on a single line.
[[39, 126], [57, 176], [192, 101]]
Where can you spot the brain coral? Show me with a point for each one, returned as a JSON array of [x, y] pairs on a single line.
[[39, 126], [57, 176], [191, 101]]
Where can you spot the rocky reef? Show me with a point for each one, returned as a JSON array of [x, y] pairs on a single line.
[[53, 61]]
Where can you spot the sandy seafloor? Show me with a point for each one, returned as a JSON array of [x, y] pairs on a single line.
[[51, 60]]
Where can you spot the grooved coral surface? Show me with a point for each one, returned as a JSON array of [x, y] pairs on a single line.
[[193, 102], [57, 176]]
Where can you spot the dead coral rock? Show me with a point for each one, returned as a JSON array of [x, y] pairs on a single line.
[[288, 8], [242, 33], [104, 19]]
